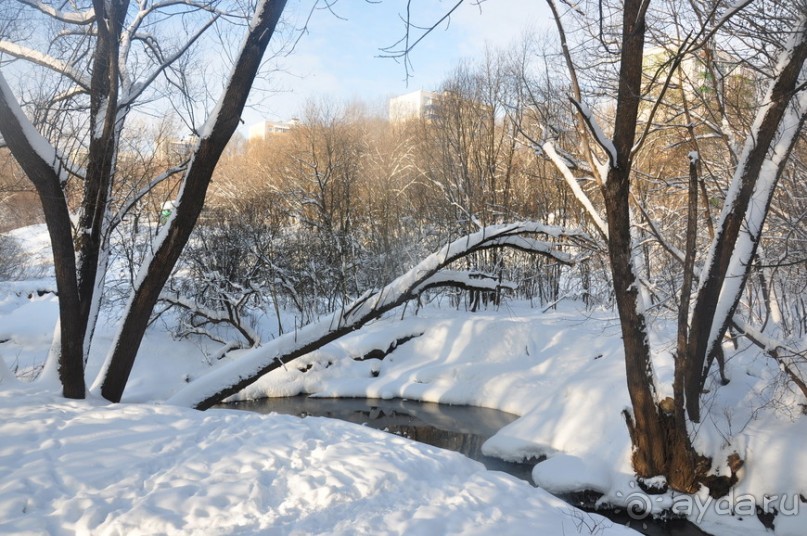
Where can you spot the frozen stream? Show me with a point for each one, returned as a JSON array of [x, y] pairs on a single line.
[[462, 429]]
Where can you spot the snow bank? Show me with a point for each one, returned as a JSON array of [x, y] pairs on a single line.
[[561, 371], [555, 374], [565, 377], [87, 468]]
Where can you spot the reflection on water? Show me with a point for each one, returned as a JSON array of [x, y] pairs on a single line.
[[462, 429]]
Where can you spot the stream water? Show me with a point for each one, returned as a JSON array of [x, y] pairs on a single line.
[[459, 428]]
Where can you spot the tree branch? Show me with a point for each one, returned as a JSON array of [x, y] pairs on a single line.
[[234, 376]]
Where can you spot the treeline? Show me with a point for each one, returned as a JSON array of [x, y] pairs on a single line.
[[346, 200]]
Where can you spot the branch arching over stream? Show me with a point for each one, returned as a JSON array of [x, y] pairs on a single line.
[[232, 377]]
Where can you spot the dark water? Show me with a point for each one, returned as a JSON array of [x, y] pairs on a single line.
[[462, 429]]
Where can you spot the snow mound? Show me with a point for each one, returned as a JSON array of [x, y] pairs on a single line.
[[564, 474], [69, 467]]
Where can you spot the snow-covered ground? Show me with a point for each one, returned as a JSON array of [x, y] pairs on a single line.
[[146, 467], [93, 468], [563, 373]]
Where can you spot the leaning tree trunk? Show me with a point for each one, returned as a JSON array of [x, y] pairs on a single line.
[[40, 163], [715, 305], [217, 132], [76, 268]]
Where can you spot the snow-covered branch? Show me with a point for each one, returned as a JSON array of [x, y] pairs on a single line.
[[549, 149], [758, 208], [791, 362], [596, 131], [20, 134], [38, 58], [202, 315], [78, 17], [235, 375], [465, 280], [747, 202]]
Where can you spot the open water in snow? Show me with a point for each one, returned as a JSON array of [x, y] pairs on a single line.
[[462, 429]]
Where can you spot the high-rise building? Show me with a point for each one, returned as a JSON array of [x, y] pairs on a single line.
[[416, 105], [265, 129]]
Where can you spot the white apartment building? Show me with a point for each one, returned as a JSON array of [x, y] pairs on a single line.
[[415, 105], [263, 130]]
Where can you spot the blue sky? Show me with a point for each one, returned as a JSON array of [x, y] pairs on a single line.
[[338, 58]]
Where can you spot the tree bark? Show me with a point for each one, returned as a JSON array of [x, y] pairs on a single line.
[[703, 337], [218, 131], [104, 129], [44, 171], [649, 454]]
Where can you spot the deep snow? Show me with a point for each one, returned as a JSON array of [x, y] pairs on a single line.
[[90, 466], [94, 468]]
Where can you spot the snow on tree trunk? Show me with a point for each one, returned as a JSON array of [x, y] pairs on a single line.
[[39, 160], [754, 172]]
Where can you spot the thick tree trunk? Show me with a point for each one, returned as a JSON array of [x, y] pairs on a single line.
[[217, 132], [708, 325], [29, 150], [104, 132], [647, 433], [77, 269]]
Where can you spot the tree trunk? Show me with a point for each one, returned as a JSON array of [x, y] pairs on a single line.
[[647, 433], [708, 324], [40, 163], [217, 132]]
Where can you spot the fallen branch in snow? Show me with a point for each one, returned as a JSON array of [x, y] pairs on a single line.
[[378, 353], [788, 364], [232, 377]]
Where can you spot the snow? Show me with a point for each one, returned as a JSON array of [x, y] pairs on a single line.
[[564, 474], [357, 313], [596, 130], [41, 146], [758, 208], [149, 467], [144, 469], [564, 377], [100, 119], [36, 57], [571, 181], [77, 17]]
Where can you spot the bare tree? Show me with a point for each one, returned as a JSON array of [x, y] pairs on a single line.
[[114, 41], [658, 428]]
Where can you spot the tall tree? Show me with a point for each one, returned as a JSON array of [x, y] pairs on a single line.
[[659, 428], [114, 41]]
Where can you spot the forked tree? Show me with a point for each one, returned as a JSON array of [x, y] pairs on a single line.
[[106, 59], [659, 428]]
